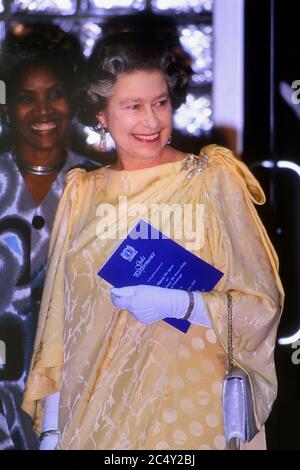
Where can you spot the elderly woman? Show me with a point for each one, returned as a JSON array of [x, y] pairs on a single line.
[[38, 70], [107, 372]]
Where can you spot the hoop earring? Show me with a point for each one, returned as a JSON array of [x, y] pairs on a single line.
[[102, 141]]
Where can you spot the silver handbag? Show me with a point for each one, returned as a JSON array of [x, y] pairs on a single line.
[[237, 400]]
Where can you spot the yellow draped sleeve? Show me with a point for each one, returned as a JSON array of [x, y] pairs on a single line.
[[241, 248], [47, 361]]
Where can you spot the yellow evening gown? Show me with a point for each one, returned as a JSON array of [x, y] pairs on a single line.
[[126, 385]]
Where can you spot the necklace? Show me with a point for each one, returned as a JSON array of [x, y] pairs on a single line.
[[38, 169]]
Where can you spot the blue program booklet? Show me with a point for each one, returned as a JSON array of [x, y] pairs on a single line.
[[147, 256]]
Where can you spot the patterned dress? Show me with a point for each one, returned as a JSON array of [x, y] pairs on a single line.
[[127, 385], [24, 242]]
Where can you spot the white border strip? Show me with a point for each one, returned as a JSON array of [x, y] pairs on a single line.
[[228, 86]]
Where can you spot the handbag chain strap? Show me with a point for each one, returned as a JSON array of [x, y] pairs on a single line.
[[229, 335]]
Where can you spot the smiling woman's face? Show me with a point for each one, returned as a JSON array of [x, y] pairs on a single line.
[[39, 108], [139, 115]]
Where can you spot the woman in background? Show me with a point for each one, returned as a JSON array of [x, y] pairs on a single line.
[[107, 373], [39, 70]]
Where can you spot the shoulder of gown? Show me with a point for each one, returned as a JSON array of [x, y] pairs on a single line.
[[228, 175], [224, 164]]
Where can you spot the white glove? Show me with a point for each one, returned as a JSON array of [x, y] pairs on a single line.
[[50, 421], [149, 304], [49, 442]]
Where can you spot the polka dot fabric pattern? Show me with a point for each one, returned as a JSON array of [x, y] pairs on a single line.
[[127, 385]]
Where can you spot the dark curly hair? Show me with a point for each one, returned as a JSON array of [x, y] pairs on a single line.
[[40, 44], [124, 53]]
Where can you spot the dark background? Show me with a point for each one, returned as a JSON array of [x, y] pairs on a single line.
[[272, 133]]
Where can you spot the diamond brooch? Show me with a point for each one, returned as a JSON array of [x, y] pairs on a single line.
[[194, 163]]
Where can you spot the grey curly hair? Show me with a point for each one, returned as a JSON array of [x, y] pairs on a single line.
[[124, 53]]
